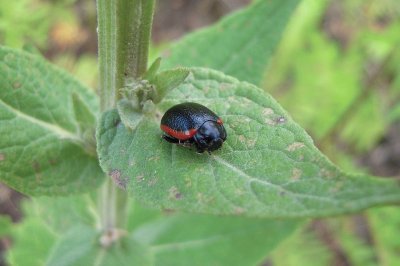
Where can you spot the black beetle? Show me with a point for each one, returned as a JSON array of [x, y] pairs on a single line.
[[193, 123]]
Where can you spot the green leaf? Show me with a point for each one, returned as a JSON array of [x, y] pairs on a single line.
[[85, 119], [302, 248], [158, 239], [32, 241], [80, 246], [309, 66], [5, 225], [268, 167], [83, 115], [42, 148], [153, 69], [331, 241], [167, 80], [130, 116], [60, 214], [394, 114], [177, 240], [240, 45], [206, 240], [385, 223]]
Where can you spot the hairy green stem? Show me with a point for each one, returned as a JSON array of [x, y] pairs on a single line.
[[107, 205], [106, 24], [124, 28], [133, 34]]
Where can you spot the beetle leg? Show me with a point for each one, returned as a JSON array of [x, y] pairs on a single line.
[[199, 149], [171, 139]]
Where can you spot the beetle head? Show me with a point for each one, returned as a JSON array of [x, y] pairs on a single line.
[[210, 136]]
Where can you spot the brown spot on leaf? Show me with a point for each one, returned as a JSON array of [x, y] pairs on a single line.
[[131, 163], [239, 210], [275, 120], [251, 143], [296, 174], [337, 187], [114, 174], [294, 146], [280, 120], [174, 193], [52, 161], [248, 142], [326, 173], [118, 180], [154, 158], [235, 124], [204, 199], [37, 169], [188, 182], [249, 61], [152, 182], [36, 166], [168, 211], [239, 192], [17, 85], [225, 86], [2, 157], [140, 178], [267, 111], [270, 122]]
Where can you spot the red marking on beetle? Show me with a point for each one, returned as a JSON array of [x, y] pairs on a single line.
[[219, 121], [181, 135]]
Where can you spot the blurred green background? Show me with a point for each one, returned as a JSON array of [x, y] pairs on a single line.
[[336, 72]]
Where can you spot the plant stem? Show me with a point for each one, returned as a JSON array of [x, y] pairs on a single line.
[[107, 205], [133, 37], [124, 28], [106, 24]]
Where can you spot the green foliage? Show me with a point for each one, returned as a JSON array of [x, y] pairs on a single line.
[[167, 80], [343, 69], [84, 68], [366, 239], [268, 166], [334, 241], [17, 18], [385, 224], [33, 242], [240, 45], [139, 97], [5, 225], [66, 234], [302, 248], [206, 240], [45, 146]]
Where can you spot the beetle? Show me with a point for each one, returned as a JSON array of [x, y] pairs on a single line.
[[193, 124]]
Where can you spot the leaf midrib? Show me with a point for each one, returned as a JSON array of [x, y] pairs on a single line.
[[55, 129], [269, 184]]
